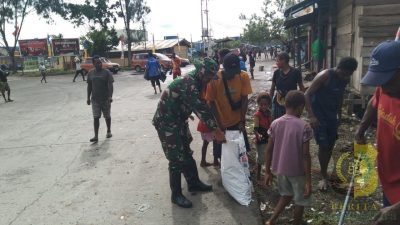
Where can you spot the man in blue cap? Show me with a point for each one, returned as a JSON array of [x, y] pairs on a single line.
[[384, 107]]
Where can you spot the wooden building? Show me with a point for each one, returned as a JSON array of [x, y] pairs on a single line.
[[361, 25], [347, 28]]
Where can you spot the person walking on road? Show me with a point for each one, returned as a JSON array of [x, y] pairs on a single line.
[[4, 72], [384, 108], [177, 102], [176, 66], [252, 61], [42, 69], [153, 68], [99, 95], [78, 69], [324, 99]]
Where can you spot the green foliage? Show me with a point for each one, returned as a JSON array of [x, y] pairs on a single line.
[[261, 30], [102, 41], [14, 11], [102, 13], [131, 11], [233, 44], [92, 12], [256, 31]]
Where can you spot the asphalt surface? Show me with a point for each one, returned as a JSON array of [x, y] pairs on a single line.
[[51, 174]]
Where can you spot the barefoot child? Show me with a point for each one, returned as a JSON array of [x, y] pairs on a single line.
[[288, 157], [207, 137], [262, 121]]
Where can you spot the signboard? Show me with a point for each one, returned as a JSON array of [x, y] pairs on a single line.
[[33, 47], [65, 47], [170, 37]]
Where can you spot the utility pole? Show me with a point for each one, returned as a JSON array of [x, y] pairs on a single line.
[[204, 31]]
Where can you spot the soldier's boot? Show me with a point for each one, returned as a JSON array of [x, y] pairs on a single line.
[[177, 197], [192, 177]]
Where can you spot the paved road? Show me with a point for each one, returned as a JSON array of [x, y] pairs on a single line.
[[51, 174]]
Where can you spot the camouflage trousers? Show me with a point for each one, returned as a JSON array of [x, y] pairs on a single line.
[[175, 142]]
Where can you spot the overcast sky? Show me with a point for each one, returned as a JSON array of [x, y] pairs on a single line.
[[172, 17]]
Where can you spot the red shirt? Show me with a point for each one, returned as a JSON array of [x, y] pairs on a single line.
[[388, 143], [201, 127], [264, 122]]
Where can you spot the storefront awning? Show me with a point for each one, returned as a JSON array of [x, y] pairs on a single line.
[[301, 13]]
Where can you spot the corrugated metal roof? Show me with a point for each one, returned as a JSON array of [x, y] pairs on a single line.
[[160, 44]]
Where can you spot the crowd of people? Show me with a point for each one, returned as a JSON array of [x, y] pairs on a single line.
[[217, 91], [279, 118]]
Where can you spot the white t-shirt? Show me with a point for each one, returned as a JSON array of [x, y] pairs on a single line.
[[42, 67]]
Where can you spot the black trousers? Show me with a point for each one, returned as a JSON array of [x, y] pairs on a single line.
[[79, 72]]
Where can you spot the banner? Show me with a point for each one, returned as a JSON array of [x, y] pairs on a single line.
[[33, 47], [65, 47]]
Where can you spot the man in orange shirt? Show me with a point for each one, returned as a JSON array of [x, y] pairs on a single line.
[[227, 96]]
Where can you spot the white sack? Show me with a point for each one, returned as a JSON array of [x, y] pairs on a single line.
[[235, 174]]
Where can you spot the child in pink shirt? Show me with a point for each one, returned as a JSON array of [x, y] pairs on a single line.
[[288, 157]]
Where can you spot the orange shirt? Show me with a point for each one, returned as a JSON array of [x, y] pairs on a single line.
[[388, 141], [238, 86], [176, 66]]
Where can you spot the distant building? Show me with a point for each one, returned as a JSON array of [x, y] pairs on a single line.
[[170, 37], [179, 46]]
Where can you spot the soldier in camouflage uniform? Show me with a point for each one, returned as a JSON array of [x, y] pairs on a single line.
[[178, 101]]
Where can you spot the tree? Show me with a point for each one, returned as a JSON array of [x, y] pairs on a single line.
[[131, 11], [97, 12], [269, 26], [14, 12], [256, 31], [102, 41]]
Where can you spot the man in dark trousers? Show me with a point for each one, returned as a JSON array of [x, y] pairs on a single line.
[[252, 60], [99, 94], [324, 99], [4, 83], [177, 102], [78, 69]]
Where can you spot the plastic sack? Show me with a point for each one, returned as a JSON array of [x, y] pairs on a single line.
[[163, 76], [235, 168], [146, 75]]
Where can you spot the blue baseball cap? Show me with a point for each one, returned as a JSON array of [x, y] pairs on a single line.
[[384, 63]]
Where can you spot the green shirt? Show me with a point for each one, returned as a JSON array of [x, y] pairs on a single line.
[[178, 101]]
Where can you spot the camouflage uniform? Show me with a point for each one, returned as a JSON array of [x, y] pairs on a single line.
[[178, 101]]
